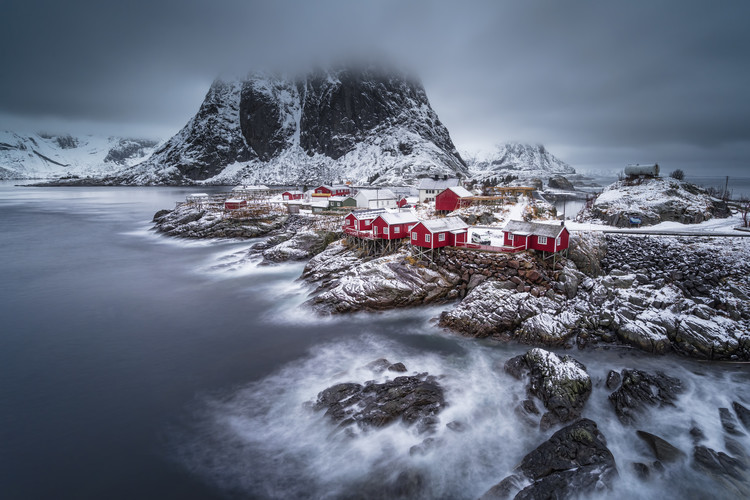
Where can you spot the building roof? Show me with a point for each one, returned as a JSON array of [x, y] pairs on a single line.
[[461, 191], [320, 203], [391, 218], [330, 188], [535, 228], [292, 192], [366, 214], [446, 224], [430, 183], [340, 198], [234, 200], [377, 194]]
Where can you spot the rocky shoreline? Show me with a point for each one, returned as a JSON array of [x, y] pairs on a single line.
[[657, 294]]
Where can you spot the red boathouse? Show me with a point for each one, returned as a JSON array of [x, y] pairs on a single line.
[[361, 220], [536, 236], [453, 198], [393, 226], [234, 204], [439, 233], [291, 195], [326, 190]]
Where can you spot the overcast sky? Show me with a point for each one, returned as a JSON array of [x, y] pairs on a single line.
[[600, 83]]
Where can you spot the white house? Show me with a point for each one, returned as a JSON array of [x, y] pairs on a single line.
[[376, 198], [430, 187]]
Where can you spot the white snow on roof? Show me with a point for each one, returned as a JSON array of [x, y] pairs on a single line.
[[437, 184], [399, 217], [367, 214], [537, 228], [446, 224], [234, 200], [461, 191], [377, 194]]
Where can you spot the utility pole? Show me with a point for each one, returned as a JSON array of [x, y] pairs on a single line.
[[726, 189]]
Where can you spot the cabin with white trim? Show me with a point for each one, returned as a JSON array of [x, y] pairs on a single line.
[[393, 225], [438, 233], [536, 236]]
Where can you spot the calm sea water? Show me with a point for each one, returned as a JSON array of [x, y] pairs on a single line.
[[136, 366]]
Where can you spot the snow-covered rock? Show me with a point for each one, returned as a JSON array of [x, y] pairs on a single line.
[[48, 156], [190, 221], [365, 126], [561, 383], [385, 282], [654, 200]]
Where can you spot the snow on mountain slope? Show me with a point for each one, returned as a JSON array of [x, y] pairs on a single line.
[[46, 156], [357, 125], [524, 161]]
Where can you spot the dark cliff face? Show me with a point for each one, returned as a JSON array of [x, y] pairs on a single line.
[[273, 124], [337, 114]]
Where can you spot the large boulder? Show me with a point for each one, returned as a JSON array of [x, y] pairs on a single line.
[[562, 384], [574, 461], [415, 399], [387, 282]]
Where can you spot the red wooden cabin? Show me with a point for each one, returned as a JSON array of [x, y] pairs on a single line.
[[361, 220], [234, 204], [536, 236], [291, 195], [453, 198], [326, 190], [393, 226], [439, 233]]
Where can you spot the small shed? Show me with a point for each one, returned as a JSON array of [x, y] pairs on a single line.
[[536, 236], [439, 233], [292, 195], [234, 204], [318, 205], [393, 226], [336, 202], [452, 198], [361, 220]]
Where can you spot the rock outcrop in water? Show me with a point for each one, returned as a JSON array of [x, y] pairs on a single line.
[[562, 384], [574, 461], [413, 400], [348, 284], [640, 390], [190, 221]]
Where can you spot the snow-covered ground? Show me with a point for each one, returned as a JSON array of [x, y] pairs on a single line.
[[709, 227]]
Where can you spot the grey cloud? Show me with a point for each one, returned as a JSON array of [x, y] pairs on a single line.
[[594, 78]]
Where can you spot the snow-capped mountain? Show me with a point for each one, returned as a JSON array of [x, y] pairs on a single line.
[[356, 125], [45, 156], [524, 161]]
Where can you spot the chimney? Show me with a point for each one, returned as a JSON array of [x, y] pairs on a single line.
[[562, 222]]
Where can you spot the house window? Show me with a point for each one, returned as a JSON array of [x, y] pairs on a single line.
[[385, 230], [441, 237], [558, 242], [396, 229], [510, 238], [375, 230], [414, 235], [427, 238], [542, 240]]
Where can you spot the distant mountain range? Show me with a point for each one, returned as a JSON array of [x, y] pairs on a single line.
[[366, 126], [524, 161], [47, 156]]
